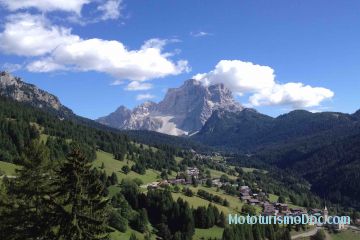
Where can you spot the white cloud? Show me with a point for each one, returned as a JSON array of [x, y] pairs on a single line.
[[111, 9], [138, 86], [200, 34], [32, 35], [45, 65], [59, 49], [259, 81], [112, 57], [241, 77], [45, 5], [296, 95], [11, 67], [144, 96]]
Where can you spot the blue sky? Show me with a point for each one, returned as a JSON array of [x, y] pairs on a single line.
[[275, 55]]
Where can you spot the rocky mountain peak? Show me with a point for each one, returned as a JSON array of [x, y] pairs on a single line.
[[183, 110], [12, 87]]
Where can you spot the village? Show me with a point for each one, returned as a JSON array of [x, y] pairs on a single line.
[[246, 195]]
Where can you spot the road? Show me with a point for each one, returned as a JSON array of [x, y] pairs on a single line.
[[306, 234]]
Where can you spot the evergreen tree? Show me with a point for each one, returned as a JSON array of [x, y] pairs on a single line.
[[163, 231], [130, 191], [140, 221], [113, 179], [270, 233], [287, 235], [81, 211], [29, 215], [281, 199], [257, 232], [125, 169], [222, 220], [226, 202], [228, 234], [117, 221], [208, 182]]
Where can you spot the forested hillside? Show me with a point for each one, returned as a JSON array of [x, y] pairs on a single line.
[[334, 171], [77, 180], [249, 131]]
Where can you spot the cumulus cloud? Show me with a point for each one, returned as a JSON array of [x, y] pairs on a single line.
[[114, 58], [58, 49], [296, 95], [241, 77], [144, 96], [137, 86], [259, 81], [45, 5], [32, 35], [111, 9]]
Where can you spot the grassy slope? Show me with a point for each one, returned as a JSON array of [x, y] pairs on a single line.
[[235, 203], [217, 174], [346, 235], [112, 165], [274, 198], [250, 170], [116, 235], [8, 168], [197, 202], [214, 232]]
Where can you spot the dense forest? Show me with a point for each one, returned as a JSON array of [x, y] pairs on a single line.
[[322, 148], [334, 171], [20, 124]]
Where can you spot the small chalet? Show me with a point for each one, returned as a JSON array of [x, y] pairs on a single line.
[[253, 201], [192, 171], [282, 207]]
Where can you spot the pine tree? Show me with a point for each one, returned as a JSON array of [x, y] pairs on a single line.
[[140, 221], [82, 211], [287, 235], [113, 179], [228, 234], [210, 216], [270, 234], [222, 220], [29, 215], [256, 232]]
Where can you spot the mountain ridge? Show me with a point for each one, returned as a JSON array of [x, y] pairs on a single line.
[[250, 130], [183, 110], [14, 88]]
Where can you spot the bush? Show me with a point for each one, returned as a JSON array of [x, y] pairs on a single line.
[[125, 169]]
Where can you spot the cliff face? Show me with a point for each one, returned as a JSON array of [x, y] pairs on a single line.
[[12, 87], [183, 110]]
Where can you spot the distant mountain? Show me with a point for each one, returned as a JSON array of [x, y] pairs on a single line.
[[249, 130], [183, 111], [13, 88]]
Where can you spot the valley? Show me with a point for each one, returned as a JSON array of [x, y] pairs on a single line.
[[159, 186]]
